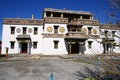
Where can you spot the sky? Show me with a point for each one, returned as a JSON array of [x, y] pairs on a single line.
[[25, 8]]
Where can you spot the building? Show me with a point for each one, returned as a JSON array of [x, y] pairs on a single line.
[[0, 46], [59, 32]]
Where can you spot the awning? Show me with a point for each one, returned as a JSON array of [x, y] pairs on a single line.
[[23, 38], [76, 39]]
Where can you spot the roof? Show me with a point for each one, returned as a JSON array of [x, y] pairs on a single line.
[[67, 11], [109, 26], [23, 21]]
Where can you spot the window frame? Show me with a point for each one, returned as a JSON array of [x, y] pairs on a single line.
[[12, 44], [35, 45], [56, 28], [35, 30], [12, 30], [24, 32], [56, 44]]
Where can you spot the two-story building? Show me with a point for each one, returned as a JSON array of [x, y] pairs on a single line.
[[59, 32]]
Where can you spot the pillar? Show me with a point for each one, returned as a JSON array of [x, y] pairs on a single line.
[[82, 47], [61, 15], [70, 47], [80, 17], [44, 14], [51, 15], [28, 47]]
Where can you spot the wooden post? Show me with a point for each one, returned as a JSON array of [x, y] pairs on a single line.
[[6, 56]]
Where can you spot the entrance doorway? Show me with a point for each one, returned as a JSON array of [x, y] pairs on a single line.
[[24, 47], [74, 48]]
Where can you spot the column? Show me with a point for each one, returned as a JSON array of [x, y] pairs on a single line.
[[51, 15], [70, 47], [44, 14], [28, 47], [91, 17], [61, 15], [80, 17], [20, 50], [19, 47], [82, 47]]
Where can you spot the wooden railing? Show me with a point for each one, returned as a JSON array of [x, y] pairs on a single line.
[[70, 35], [55, 20], [47, 35], [84, 22], [76, 35]]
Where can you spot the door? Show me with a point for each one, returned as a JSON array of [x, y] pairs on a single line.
[[24, 48], [75, 48]]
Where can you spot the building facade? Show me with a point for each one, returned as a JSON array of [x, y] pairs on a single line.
[[59, 32], [0, 46]]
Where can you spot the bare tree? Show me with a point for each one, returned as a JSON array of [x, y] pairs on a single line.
[[114, 7], [115, 4]]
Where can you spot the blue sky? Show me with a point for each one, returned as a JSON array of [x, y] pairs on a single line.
[[25, 8]]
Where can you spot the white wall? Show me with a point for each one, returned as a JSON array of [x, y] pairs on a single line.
[[48, 44], [52, 25], [96, 47], [7, 37], [48, 48]]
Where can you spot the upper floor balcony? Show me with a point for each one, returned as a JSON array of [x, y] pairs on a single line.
[[76, 35], [54, 35], [71, 35], [81, 35], [55, 20], [83, 22]]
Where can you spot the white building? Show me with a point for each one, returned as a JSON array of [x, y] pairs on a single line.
[[59, 32]]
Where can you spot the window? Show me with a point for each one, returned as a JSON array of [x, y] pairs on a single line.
[[34, 45], [89, 30], [36, 30], [90, 44], [113, 33], [24, 30], [56, 29], [12, 44], [56, 44], [12, 30]]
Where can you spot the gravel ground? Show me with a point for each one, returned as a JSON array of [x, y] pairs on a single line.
[[41, 69]]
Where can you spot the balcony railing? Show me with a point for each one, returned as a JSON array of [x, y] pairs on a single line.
[[56, 20], [84, 22], [71, 35], [76, 35], [94, 36], [47, 35]]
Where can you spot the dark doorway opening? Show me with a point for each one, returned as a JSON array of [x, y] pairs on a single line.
[[74, 48], [24, 48]]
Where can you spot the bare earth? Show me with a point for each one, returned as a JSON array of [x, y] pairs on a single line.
[[41, 69]]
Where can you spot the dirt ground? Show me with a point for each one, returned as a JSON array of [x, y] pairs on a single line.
[[64, 67]]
